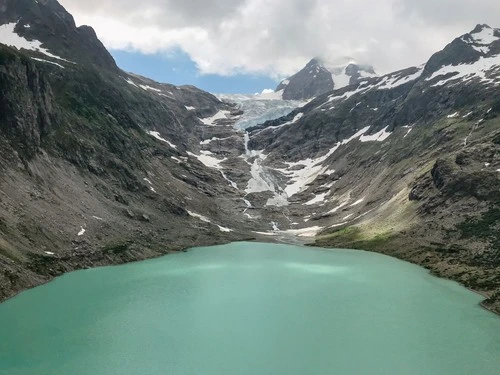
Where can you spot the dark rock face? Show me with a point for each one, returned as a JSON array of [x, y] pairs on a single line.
[[48, 22], [316, 79], [311, 81], [28, 111]]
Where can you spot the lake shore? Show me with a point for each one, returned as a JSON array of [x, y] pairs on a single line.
[[50, 267], [470, 277]]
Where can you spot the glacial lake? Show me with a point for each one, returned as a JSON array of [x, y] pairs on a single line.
[[250, 308]]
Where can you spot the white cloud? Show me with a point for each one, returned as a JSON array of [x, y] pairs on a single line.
[[277, 37]]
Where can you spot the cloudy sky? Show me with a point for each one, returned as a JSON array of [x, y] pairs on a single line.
[[253, 43]]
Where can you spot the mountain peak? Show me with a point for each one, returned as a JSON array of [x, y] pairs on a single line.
[[482, 35], [480, 27], [479, 50], [322, 75], [37, 26]]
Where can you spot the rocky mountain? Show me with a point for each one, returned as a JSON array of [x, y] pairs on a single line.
[[99, 166], [31, 24], [319, 77], [407, 164]]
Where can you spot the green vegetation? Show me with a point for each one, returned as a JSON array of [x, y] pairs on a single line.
[[9, 251], [3, 226], [484, 227], [353, 237], [6, 55], [116, 248]]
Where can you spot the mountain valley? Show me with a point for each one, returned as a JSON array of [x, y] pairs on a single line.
[[100, 166]]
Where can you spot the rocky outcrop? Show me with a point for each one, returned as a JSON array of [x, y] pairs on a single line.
[[48, 22], [28, 111]]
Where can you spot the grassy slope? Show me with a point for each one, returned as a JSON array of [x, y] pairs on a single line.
[[460, 240]]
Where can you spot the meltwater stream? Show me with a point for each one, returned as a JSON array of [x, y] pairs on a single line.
[[250, 308]]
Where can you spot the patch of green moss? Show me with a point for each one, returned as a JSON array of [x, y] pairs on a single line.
[[3, 226], [484, 227], [116, 248], [354, 238], [6, 55]]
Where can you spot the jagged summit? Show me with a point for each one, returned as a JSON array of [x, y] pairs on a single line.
[[483, 39], [321, 75], [480, 46], [49, 31]]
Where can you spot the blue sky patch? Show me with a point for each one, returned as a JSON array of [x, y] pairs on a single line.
[[177, 68]]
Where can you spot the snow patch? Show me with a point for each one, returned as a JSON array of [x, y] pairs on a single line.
[[157, 136], [224, 229], [266, 233], [357, 202], [150, 184], [467, 72], [392, 81], [10, 38], [278, 95], [320, 198], [82, 231], [48, 62], [305, 232], [130, 82], [210, 121], [377, 137], [198, 216], [410, 128], [149, 88], [337, 208], [311, 169], [232, 183], [357, 135], [176, 159], [208, 160], [482, 40], [207, 220]]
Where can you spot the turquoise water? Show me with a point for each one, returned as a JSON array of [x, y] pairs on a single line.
[[249, 308]]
